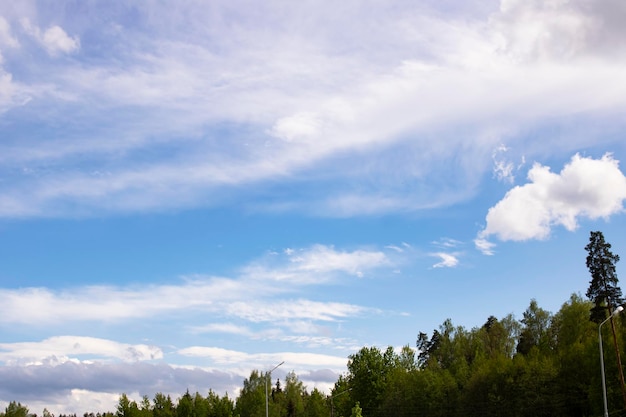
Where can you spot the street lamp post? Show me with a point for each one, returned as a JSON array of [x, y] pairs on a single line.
[[615, 312], [269, 374]]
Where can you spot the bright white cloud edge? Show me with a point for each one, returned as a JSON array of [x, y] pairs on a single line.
[[585, 188]]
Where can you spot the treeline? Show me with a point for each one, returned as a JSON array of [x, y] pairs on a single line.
[[544, 364]]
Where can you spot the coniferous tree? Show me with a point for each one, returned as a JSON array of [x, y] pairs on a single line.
[[603, 289], [16, 410]]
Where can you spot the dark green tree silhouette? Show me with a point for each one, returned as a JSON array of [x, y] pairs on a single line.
[[603, 290]]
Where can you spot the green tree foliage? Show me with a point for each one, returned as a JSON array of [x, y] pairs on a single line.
[[604, 292], [340, 399], [294, 396], [535, 332], [367, 374], [603, 289], [315, 404], [356, 411], [163, 406], [127, 407], [576, 349], [185, 406], [496, 338], [407, 359], [251, 400], [15, 409]]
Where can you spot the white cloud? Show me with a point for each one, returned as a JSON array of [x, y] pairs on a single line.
[[243, 299], [557, 29], [6, 37], [54, 39], [448, 260], [447, 242], [484, 246], [59, 349], [299, 127], [357, 123], [502, 167], [585, 188], [395, 248], [250, 296], [228, 328], [318, 264], [11, 93], [293, 360], [375, 110], [83, 387], [258, 312], [544, 29], [75, 401]]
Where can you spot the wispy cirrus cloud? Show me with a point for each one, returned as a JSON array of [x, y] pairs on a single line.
[[447, 260], [316, 264], [298, 360], [249, 296], [307, 333], [294, 105]]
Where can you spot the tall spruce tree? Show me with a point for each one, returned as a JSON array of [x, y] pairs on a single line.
[[603, 290]]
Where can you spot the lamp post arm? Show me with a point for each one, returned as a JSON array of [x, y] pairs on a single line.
[[269, 375]]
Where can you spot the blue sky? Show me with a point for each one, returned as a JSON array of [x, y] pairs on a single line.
[[193, 190]]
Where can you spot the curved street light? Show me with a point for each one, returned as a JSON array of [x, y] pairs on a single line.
[[269, 374], [615, 312]]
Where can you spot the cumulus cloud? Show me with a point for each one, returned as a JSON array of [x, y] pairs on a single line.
[[585, 188], [556, 29]]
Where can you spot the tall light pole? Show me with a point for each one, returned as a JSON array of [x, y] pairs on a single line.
[[615, 312], [269, 374]]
